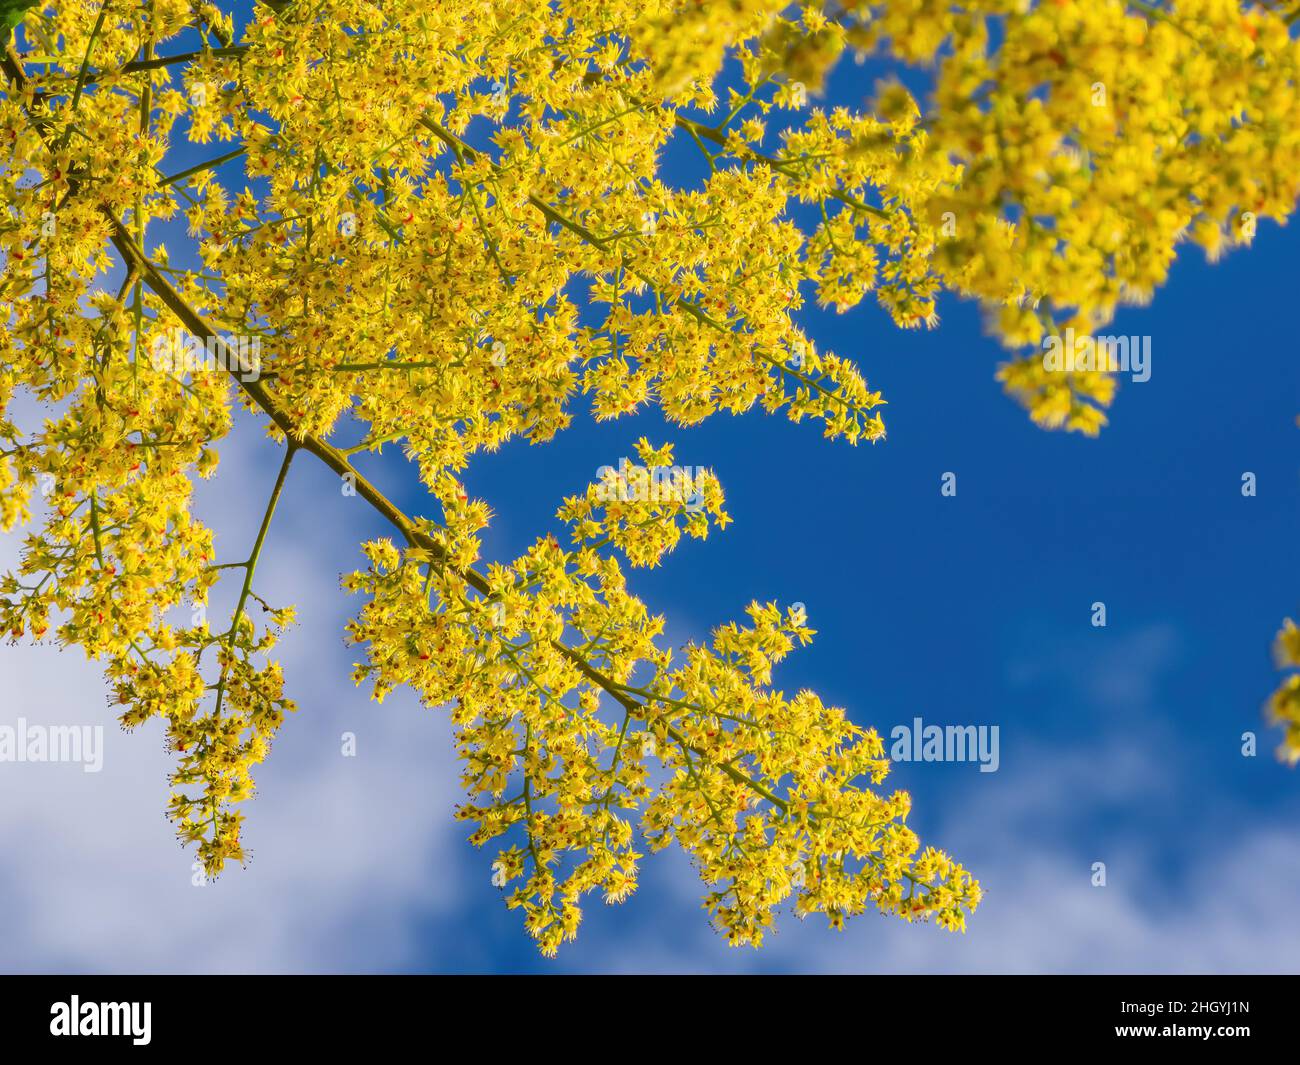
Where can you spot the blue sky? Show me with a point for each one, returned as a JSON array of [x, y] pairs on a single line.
[[1120, 744]]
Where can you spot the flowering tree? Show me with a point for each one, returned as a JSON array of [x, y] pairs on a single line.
[[443, 220]]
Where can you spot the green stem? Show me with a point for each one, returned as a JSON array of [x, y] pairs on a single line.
[[251, 567], [198, 168]]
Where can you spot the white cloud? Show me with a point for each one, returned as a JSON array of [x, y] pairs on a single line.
[[1221, 914], [347, 852], [1191, 887]]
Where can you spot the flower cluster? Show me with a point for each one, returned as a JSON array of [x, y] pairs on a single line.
[[581, 735], [1284, 706], [1093, 137]]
